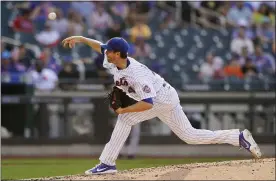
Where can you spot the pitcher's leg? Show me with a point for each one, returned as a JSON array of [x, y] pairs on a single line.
[[181, 126], [121, 132], [116, 142], [134, 140]]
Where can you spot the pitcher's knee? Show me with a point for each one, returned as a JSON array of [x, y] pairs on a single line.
[[190, 137], [126, 120]]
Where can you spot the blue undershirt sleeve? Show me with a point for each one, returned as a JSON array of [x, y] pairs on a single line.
[[148, 100]]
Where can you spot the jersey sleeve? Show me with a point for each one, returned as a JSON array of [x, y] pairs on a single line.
[[144, 89]]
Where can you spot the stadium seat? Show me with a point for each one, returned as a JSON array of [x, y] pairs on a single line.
[[84, 51]]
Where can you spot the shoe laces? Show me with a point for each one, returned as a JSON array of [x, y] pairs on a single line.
[[97, 165]]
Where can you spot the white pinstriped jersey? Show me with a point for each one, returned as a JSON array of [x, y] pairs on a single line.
[[166, 107], [137, 80]]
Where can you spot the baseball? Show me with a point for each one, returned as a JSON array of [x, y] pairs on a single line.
[[52, 16]]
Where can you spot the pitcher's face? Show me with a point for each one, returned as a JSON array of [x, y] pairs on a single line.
[[113, 57]]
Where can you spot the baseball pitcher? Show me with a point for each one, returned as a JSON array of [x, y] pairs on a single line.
[[153, 97]]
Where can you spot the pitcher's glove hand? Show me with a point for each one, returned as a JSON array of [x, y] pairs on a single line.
[[117, 98], [114, 98]]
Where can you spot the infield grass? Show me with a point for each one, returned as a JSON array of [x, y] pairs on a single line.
[[34, 168]]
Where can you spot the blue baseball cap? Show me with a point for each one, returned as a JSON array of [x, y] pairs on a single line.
[[117, 44]]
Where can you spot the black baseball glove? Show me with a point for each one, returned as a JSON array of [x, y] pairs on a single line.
[[117, 98]]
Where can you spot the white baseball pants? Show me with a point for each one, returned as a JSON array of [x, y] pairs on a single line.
[[168, 109]]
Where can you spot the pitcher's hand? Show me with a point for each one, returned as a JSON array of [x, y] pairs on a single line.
[[71, 41]]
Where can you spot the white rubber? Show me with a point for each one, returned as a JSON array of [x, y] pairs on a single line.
[[254, 148]]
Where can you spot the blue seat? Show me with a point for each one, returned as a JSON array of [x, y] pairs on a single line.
[[27, 38], [84, 51]]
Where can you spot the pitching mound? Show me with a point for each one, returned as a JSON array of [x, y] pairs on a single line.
[[263, 169]]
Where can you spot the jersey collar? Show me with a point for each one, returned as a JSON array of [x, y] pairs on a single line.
[[128, 63]]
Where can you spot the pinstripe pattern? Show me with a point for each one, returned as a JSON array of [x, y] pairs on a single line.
[[116, 142], [143, 77], [166, 107], [170, 113], [132, 148], [134, 140]]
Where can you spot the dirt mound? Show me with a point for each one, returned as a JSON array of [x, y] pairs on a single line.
[[262, 169]]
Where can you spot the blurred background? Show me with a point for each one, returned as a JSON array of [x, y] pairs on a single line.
[[220, 56]]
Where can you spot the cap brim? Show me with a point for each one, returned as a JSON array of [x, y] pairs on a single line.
[[106, 47]]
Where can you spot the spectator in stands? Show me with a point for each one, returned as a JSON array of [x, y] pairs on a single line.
[[249, 69], [238, 12], [83, 8], [233, 69], [5, 61], [211, 68], [75, 24], [23, 55], [241, 41], [60, 24], [261, 14], [168, 21], [247, 30], [244, 55], [266, 32], [120, 9], [140, 29], [272, 15], [10, 65], [48, 37], [41, 10], [68, 71], [264, 62], [24, 22], [142, 49], [139, 10], [206, 71], [223, 11], [253, 5], [44, 80], [100, 20], [49, 61], [115, 30]]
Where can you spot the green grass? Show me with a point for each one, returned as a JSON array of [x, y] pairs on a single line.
[[33, 168]]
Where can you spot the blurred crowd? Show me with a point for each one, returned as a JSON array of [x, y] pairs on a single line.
[[253, 25]]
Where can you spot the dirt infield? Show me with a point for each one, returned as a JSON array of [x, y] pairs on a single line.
[[263, 169]]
